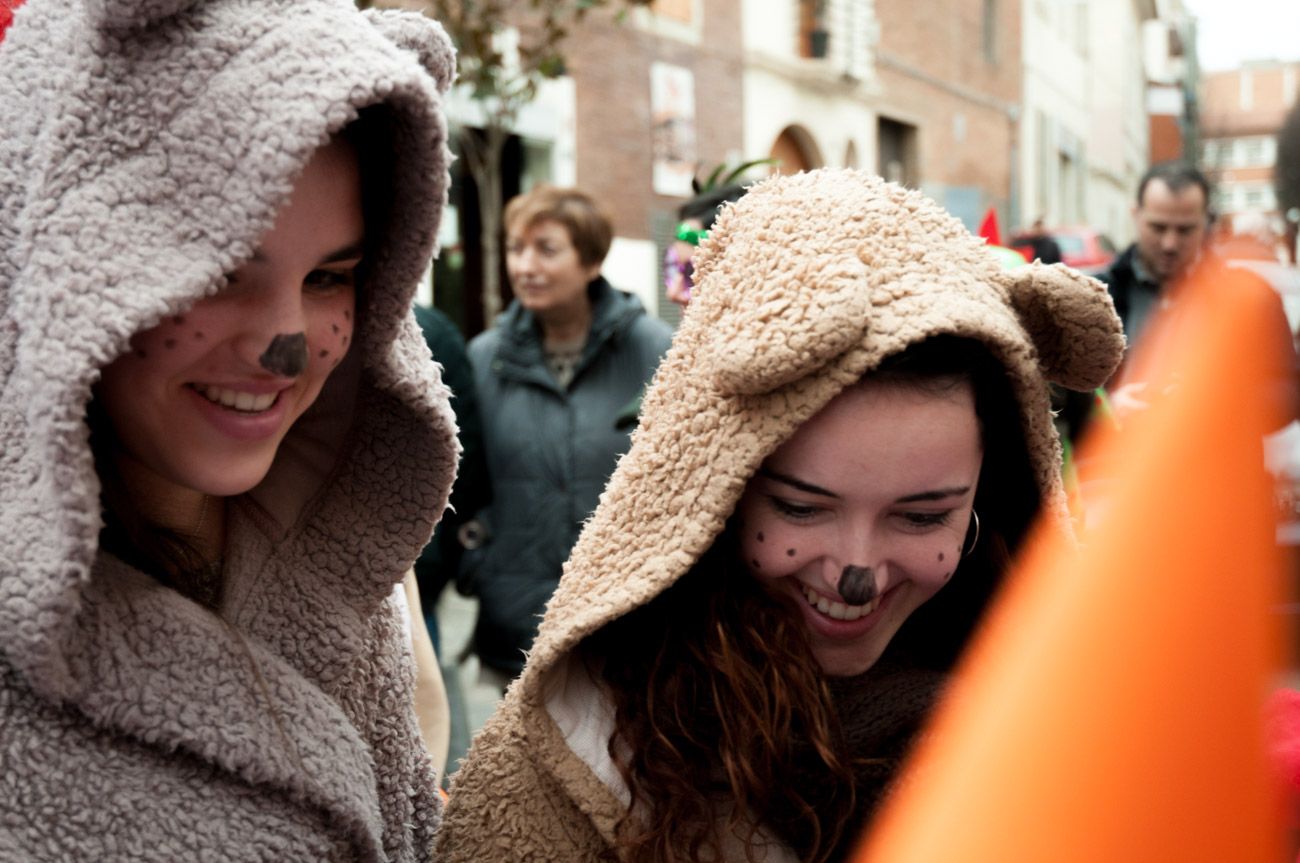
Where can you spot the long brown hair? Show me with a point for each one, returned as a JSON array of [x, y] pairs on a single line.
[[719, 701]]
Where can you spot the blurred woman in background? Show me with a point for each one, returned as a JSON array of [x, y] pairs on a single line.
[[555, 379]]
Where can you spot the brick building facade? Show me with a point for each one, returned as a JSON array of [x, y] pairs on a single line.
[[615, 67], [601, 127], [933, 95], [1242, 111], [950, 77], [611, 68]]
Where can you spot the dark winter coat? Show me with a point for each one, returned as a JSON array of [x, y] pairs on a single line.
[[440, 560], [549, 453], [1137, 301], [1134, 294]]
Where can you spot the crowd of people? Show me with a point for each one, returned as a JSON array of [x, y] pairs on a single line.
[[723, 574]]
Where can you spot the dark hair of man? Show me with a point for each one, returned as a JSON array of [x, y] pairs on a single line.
[[1176, 176], [719, 701]]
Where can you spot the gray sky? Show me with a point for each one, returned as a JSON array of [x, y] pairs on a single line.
[[1234, 31]]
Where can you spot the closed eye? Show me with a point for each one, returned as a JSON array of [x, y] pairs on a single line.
[[327, 281], [927, 519], [793, 511]]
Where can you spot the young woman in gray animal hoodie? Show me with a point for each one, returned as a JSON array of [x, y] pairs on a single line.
[[223, 439], [846, 443]]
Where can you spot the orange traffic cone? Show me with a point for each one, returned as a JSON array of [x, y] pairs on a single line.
[[1112, 708]]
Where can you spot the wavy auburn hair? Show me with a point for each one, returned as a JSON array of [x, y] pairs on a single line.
[[725, 723], [718, 703]]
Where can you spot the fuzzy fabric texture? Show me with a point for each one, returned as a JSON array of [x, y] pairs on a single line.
[[803, 286], [147, 146]]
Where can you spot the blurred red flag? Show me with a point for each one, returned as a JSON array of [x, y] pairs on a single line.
[[989, 228], [1112, 708]]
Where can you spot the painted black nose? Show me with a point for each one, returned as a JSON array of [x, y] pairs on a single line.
[[286, 355], [857, 585]]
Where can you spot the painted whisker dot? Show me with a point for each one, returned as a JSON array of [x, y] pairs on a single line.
[[789, 552], [345, 340], [756, 564], [170, 343], [324, 353], [141, 354], [198, 335], [760, 536], [941, 557], [335, 327], [347, 316]]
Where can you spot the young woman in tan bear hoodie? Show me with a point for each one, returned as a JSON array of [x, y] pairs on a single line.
[[845, 445]]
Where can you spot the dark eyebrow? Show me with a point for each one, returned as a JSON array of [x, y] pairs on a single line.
[[936, 494], [796, 483], [347, 253]]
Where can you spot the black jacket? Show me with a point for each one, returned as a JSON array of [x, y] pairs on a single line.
[[1128, 290], [440, 560]]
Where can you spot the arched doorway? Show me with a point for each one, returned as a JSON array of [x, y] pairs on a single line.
[[795, 150]]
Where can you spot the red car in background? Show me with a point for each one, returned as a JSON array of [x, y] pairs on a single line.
[[1086, 249]]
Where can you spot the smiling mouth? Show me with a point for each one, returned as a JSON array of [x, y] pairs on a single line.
[[838, 610], [242, 402]]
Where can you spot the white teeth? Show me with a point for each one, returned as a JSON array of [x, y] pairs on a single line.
[[240, 401], [837, 610]]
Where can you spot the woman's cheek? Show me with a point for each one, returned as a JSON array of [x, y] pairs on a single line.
[[935, 564], [331, 336], [770, 550]]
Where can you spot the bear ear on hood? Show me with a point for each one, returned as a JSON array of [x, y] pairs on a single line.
[[1071, 321], [128, 14], [784, 326], [423, 37]]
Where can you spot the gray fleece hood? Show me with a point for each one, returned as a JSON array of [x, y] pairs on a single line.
[[145, 148]]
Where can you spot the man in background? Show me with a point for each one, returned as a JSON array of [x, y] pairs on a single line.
[[1171, 217]]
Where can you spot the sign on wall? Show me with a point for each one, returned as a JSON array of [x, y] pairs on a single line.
[[672, 128]]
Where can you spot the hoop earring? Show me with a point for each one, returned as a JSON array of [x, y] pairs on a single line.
[[975, 520]]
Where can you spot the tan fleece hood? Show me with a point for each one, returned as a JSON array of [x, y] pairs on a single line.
[[805, 285]]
